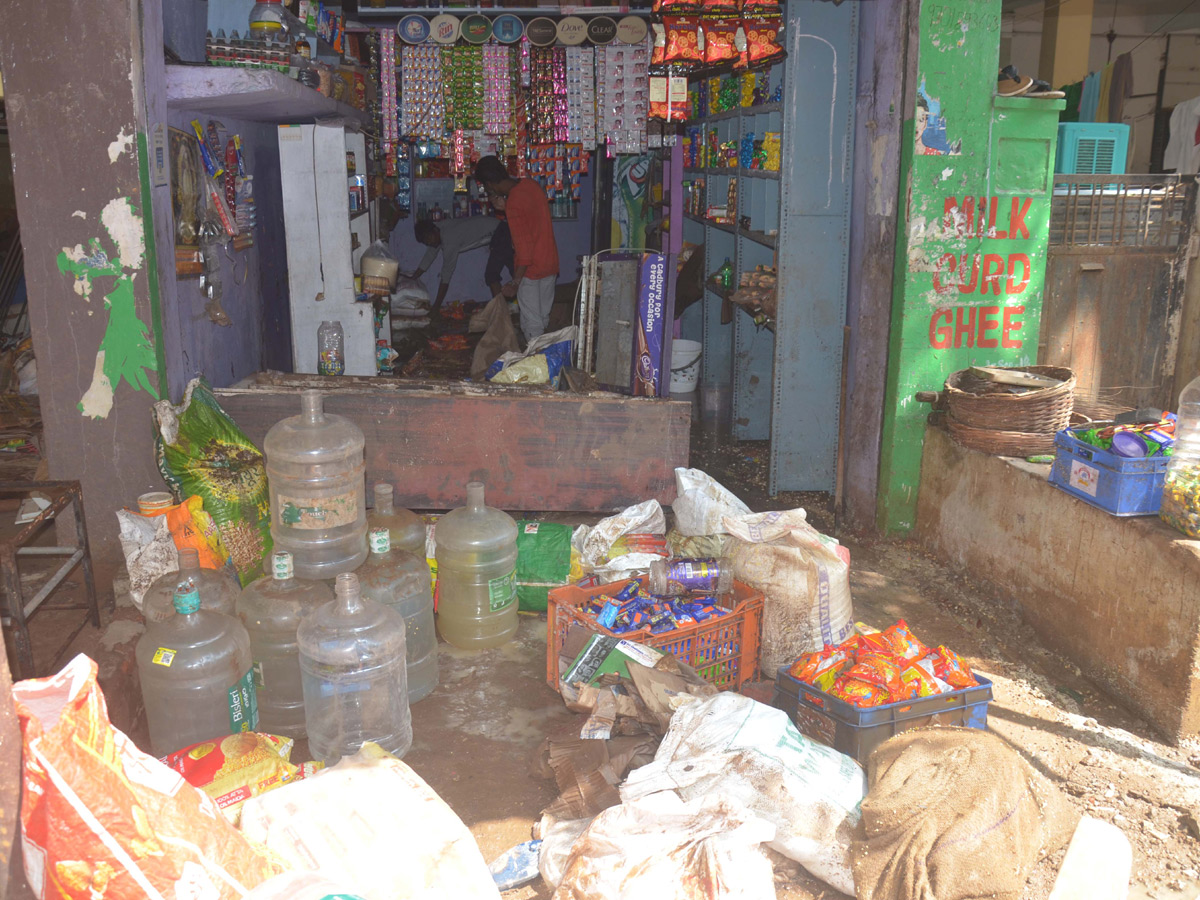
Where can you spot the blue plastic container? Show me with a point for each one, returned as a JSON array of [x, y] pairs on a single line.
[[856, 731], [1116, 484]]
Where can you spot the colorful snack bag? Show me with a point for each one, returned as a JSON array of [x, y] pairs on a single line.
[[859, 644], [761, 46], [878, 668], [859, 693], [904, 642], [919, 681], [953, 670], [718, 41], [683, 42], [720, 7]]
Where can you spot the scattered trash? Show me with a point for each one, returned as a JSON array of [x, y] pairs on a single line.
[[752, 757], [517, 866], [101, 818], [371, 824], [600, 551], [955, 813], [238, 767], [661, 846], [543, 360]]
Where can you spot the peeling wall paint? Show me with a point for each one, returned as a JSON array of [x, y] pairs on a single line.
[[123, 144], [126, 350]]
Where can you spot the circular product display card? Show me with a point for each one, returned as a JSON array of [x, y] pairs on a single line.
[[444, 29], [507, 29], [542, 32], [413, 29], [601, 30], [572, 31], [476, 29], [630, 30]]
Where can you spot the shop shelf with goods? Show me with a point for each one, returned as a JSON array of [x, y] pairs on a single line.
[[790, 147]]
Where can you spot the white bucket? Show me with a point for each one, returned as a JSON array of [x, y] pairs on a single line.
[[685, 366]]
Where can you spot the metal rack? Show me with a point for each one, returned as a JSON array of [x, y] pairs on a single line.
[[784, 384]]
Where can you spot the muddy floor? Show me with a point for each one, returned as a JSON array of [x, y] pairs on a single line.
[[476, 735]]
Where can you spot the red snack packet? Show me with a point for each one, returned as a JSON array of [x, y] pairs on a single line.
[[761, 46], [953, 670], [859, 693], [880, 669], [718, 41], [759, 7], [860, 644], [821, 669], [904, 642], [720, 7], [683, 41]]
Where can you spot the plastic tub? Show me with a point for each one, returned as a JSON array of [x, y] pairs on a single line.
[[685, 365]]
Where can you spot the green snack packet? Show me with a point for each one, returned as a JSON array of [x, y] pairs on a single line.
[[543, 562]]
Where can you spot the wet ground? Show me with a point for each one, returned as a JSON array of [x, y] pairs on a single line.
[[475, 736]]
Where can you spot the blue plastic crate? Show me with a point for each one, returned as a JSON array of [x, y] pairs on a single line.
[[856, 731], [1116, 484]]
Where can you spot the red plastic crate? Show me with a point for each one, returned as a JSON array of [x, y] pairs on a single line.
[[724, 651]]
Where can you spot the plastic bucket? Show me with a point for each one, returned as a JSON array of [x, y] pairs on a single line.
[[685, 366]]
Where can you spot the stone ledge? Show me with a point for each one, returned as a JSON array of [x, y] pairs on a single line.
[[1120, 597]]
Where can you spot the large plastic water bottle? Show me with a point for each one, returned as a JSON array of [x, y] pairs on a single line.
[[315, 470], [218, 590], [352, 667], [1181, 494], [401, 580], [477, 583], [406, 529], [196, 675], [271, 609]]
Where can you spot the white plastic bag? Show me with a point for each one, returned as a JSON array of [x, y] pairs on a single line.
[[751, 755], [371, 824], [702, 503], [594, 543], [805, 577], [558, 836], [408, 295], [149, 551], [662, 848]]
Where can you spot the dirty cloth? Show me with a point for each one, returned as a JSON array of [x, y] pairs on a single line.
[[956, 814]]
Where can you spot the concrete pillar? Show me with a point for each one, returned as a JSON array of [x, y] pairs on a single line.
[[76, 124], [1066, 41]]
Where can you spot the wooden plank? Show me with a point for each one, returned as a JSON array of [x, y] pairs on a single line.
[[534, 450]]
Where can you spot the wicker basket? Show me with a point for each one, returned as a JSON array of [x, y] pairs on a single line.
[[986, 405], [1006, 443]]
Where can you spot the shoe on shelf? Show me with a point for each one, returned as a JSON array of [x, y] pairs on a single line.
[[1041, 90], [1010, 84]]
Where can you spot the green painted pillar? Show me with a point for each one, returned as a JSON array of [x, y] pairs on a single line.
[[971, 246]]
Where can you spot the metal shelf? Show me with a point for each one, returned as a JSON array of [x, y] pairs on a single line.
[[720, 226], [759, 173], [737, 112], [258, 95], [767, 240]]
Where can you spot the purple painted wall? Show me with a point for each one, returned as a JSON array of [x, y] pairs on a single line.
[[883, 41]]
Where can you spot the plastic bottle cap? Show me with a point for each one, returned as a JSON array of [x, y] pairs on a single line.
[[381, 540], [281, 565], [187, 599]]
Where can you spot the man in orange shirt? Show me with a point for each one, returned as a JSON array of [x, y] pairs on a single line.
[[535, 254]]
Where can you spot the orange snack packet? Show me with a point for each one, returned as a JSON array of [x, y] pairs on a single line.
[[953, 670], [859, 693], [904, 642], [879, 669]]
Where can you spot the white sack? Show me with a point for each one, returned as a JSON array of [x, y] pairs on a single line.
[[594, 543], [702, 503], [149, 551], [751, 755]]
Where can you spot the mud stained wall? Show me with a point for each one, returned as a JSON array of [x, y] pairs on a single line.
[[1120, 597], [72, 85]]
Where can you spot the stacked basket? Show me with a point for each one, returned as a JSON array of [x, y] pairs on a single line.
[[1007, 421]]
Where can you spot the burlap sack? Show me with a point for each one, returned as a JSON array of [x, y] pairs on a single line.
[[499, 336], [954, 814]]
